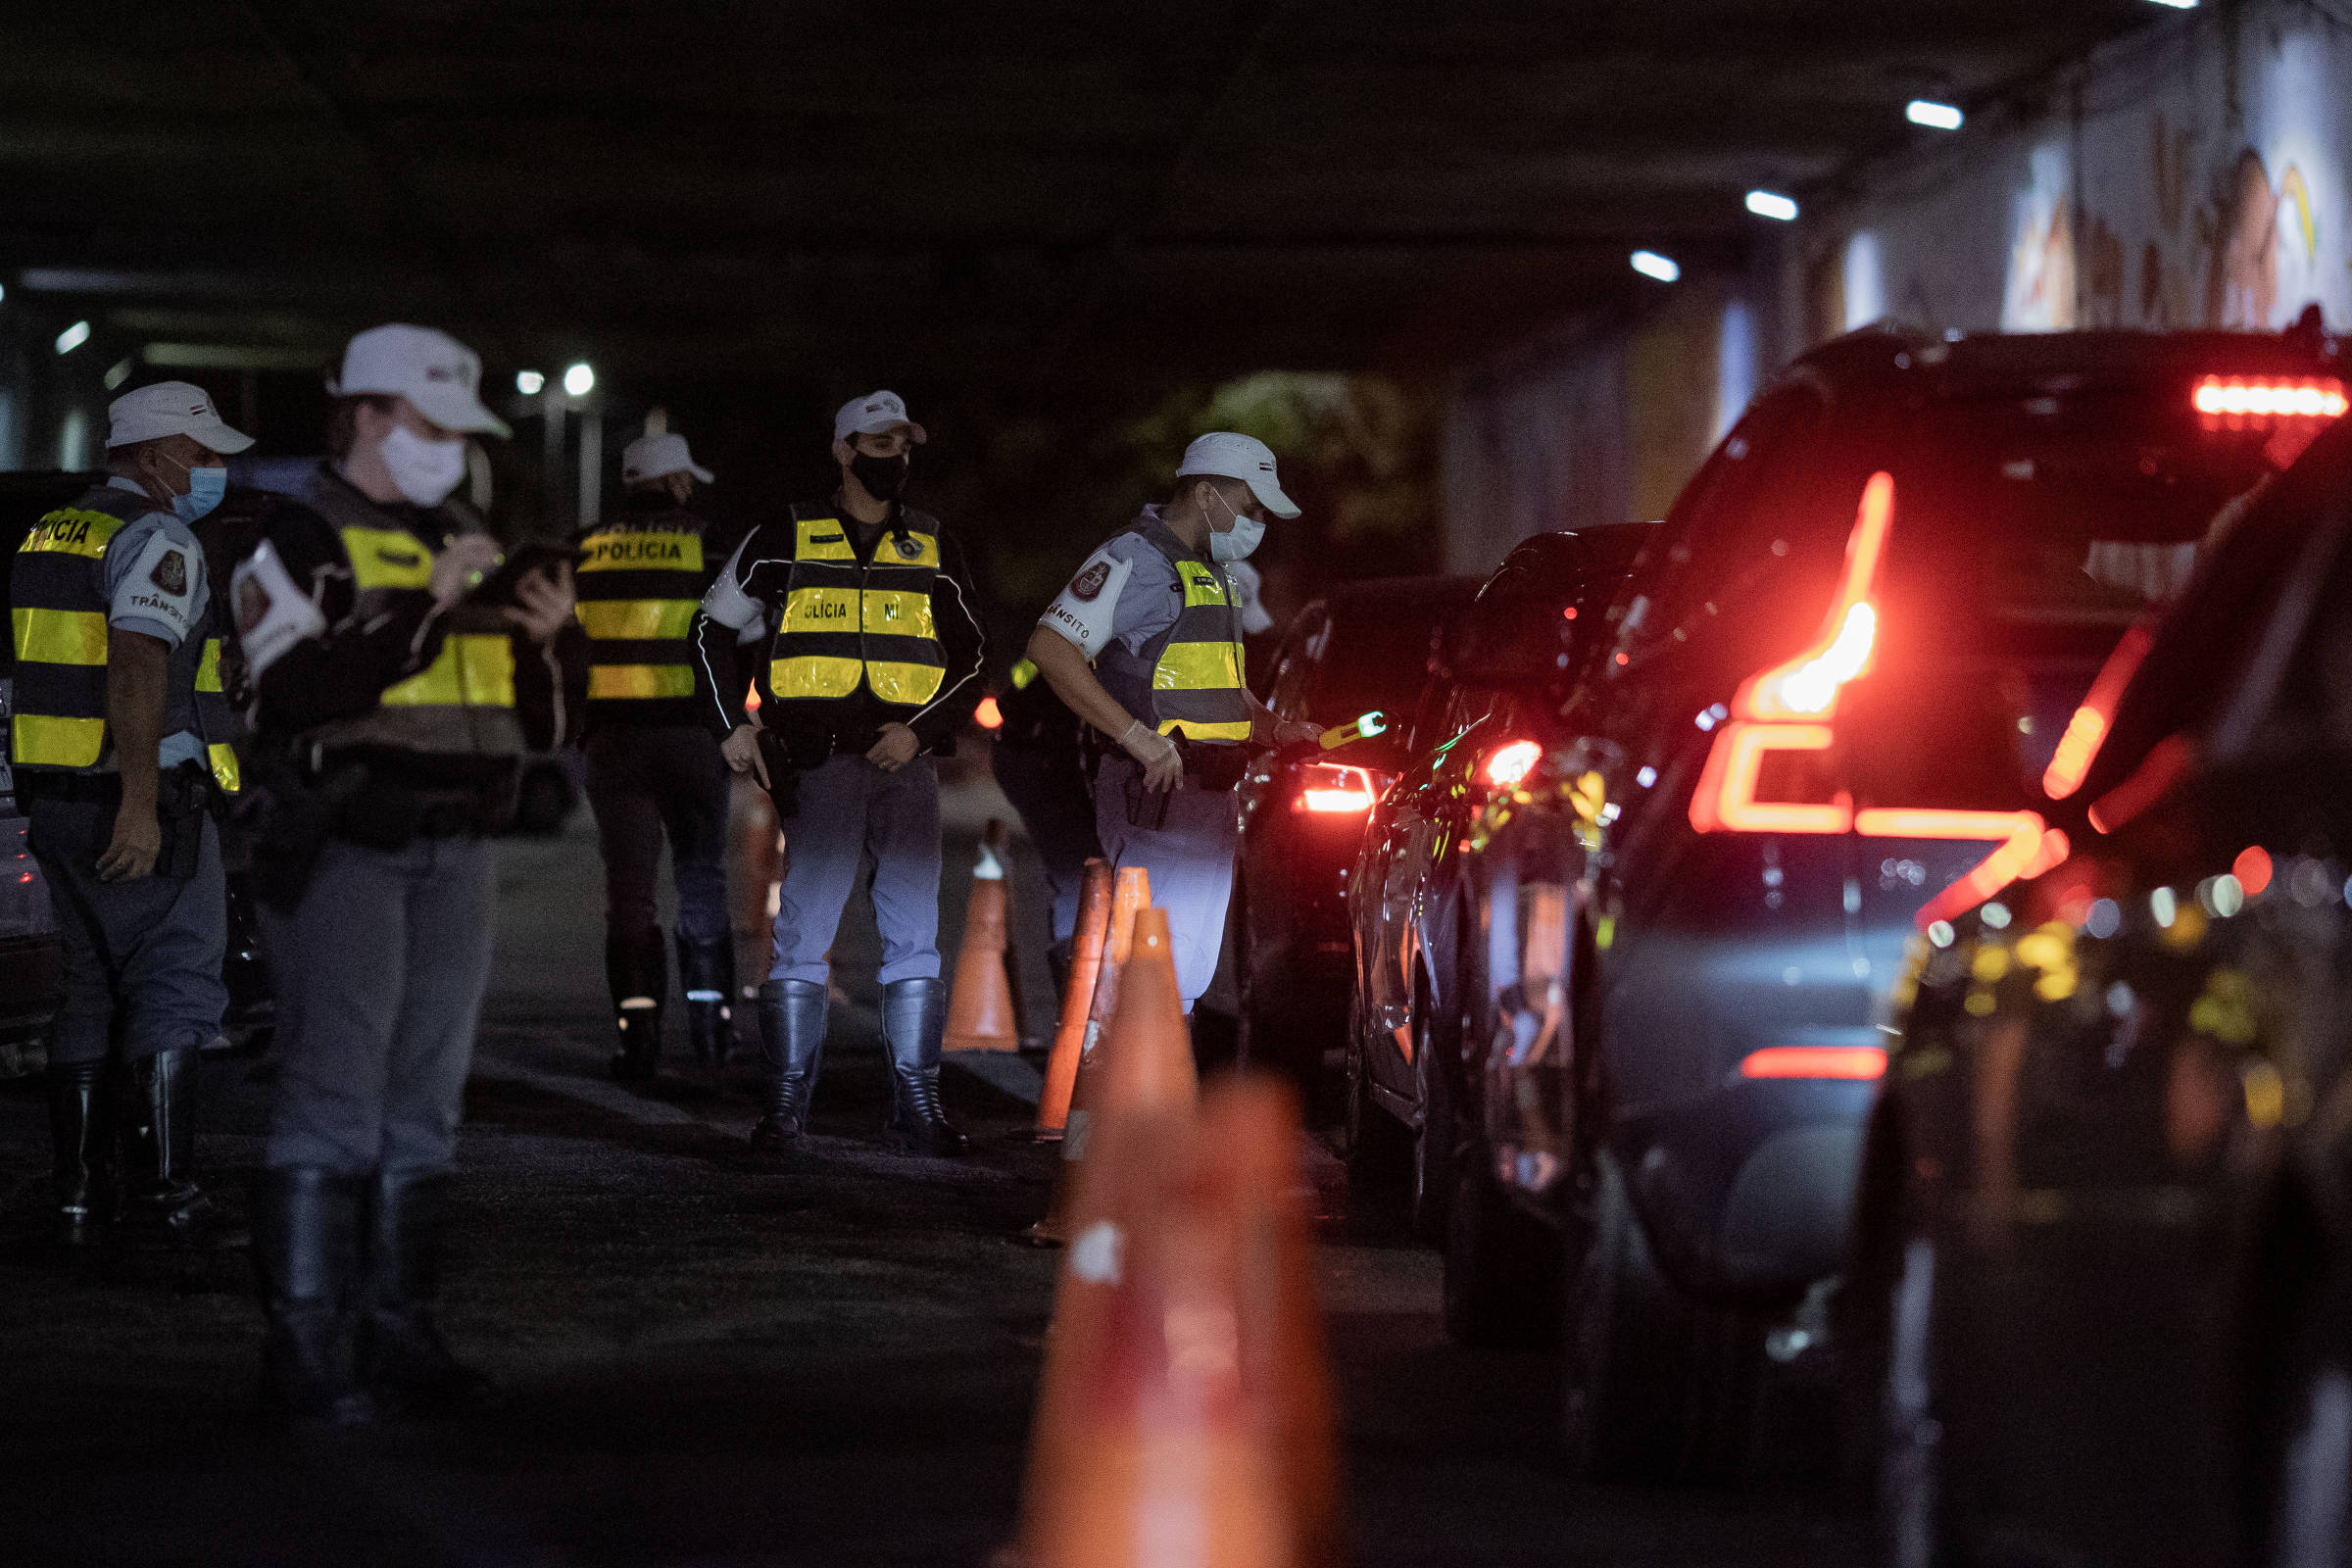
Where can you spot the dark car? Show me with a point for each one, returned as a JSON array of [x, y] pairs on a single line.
[[1490, 707], [1827, 697], [2099, 1277], [1358, 650]]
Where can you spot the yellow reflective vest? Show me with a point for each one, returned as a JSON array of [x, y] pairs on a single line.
[[845, 624]]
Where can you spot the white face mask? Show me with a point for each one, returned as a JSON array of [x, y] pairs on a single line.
[[1235, 543], [425, 472]]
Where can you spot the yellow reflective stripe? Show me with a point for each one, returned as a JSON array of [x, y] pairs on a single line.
[[388, 558], [1193, 729], [1196, 666], [58, 636], [902, 614], [904, 683], [807, 546], [208, 671], [224, 767], [626, 550], [625, 620], [820, 610], [473, 670], [640, 681], [809, 675], [72, 531], [36, 740]]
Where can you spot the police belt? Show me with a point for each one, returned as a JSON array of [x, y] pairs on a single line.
[[184, 795], [1212, 766]]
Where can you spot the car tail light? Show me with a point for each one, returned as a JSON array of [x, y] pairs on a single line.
[[2086, 731], [1855, 1063], [2224, 398], [1508, 763], [988, 715], [1792, 708], [1330, 787]]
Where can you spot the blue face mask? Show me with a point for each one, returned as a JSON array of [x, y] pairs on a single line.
[[206, 488]]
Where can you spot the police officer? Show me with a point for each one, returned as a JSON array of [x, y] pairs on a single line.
[[873, 666], [399, 695], [112, 637], [652, 763], [1155, 612]]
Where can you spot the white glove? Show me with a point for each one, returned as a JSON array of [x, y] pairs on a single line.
[[1162, 763]]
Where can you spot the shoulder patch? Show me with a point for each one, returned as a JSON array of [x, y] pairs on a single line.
[[170, 573], [1087, 584]]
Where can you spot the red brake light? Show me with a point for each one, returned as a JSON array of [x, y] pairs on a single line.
[[988, 715], [1507, 764], [2233, 401], [1331, 787], [1860, 1062]]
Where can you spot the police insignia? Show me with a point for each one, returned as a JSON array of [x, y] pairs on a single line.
[[170, 573], [908, 547], [1088, 584]]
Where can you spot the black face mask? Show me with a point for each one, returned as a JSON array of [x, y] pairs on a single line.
[[884, 479]]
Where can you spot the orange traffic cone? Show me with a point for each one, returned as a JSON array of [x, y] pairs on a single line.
[[1086, 963], [1130, 898], [1184, 1417], [980, 1013]]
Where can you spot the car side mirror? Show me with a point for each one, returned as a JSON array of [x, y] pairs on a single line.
[[1513, 641]]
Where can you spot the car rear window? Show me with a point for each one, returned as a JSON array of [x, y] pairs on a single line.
[[1375, 654]]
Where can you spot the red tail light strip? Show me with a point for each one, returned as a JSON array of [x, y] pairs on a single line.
[[1335, 788], [2088, 729], [1854, 1062]]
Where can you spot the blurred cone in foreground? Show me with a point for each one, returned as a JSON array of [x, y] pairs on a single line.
[[1086, 963], [1092, 1096], [980, 1015], [1184, 1418]]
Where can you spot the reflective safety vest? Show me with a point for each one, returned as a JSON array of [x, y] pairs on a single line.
[[845, 623], [58, 611], [639, 587], [1198, 689]]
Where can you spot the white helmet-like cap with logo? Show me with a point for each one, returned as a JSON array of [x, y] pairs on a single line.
[[172, 408], [1223, 455], [875, 414], [433, 371], [655, 456]]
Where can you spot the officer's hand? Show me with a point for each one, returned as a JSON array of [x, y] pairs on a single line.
[[742, 751], [896, 749], [460, 568], [139, 839], [543, 601], [1164, 763], [1290, 732]]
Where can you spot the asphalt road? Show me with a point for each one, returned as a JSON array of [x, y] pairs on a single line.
[[708, 1363]]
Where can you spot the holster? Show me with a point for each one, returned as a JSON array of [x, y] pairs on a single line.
[[289, 819], [788, 750], [183, 799]]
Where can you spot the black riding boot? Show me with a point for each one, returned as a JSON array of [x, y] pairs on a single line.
[[792, 1040], [403, 1359], [79, 1136], [914, 1017], [638, 972], [161, 1201], [707, 973], [307, 1253]]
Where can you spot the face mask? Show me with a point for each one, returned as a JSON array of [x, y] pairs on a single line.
[[206, 488], [1236, 542], [884, 479], [425, 471]]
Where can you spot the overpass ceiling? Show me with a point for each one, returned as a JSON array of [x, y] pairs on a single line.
[[999, 190]]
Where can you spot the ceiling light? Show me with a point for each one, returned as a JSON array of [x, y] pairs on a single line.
[[1649, 264], [2179, 5], [579, 380], [1768, 204], [1933, 115], [119, 372], [73, 337], [529, 382]]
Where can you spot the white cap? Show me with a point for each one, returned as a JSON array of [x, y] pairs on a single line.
[[653, 457], [172, 408], [433, 371], [875, 414], [1248, 597], [1223, 455]]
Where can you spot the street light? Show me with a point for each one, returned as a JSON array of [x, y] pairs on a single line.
[[529, 382], [73, 337], [1933, 115], [1767, 204], [1649, 264], [579, 380]]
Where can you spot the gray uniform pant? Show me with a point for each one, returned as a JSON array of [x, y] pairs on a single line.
[[1190, 858], [851, 809], [144, 954], [380, 973]]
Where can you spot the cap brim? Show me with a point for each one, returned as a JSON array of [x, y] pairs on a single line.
[[1270, 496], [915, 431], [453, 409], [221, 439], [702, 473]]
